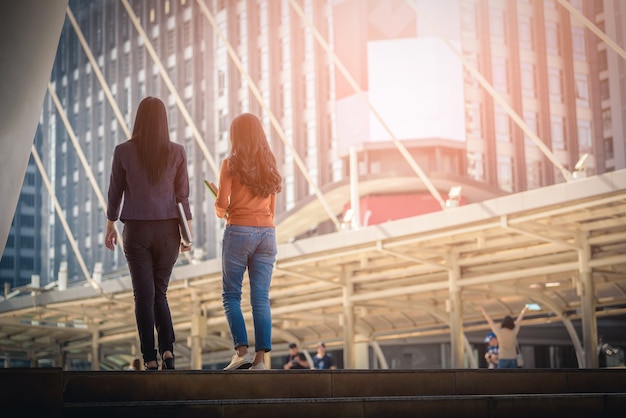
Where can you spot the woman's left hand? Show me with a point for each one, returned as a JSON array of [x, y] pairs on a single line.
[[184, 248]]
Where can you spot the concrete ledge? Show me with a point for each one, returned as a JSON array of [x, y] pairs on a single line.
[[31, 392], [307, 393], [495, 406], [245, 384]]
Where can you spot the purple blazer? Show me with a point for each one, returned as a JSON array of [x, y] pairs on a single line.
[[142, 200]]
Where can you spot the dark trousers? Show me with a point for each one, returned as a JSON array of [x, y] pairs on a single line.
[[151, 249]]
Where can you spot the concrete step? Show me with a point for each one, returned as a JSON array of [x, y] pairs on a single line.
[[344, 393], [496, 406]]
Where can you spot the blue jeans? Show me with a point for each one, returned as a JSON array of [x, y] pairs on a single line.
[[253, 248], [151, 249], [507, 363]]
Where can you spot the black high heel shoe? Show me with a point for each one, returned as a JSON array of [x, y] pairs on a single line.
[[168, 363], [145, 365]]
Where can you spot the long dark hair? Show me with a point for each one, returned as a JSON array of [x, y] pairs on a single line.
[[251, 159], [152, 135]]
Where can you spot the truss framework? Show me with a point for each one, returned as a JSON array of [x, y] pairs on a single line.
[[384, 282]]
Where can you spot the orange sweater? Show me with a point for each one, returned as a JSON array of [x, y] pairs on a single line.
[[243, 207]]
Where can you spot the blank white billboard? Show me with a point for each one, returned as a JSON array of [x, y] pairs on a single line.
[[416, 86]]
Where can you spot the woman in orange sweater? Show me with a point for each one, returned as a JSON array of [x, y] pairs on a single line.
[[246, 198]]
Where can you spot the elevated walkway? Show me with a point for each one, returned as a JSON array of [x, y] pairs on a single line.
[[338, 393]]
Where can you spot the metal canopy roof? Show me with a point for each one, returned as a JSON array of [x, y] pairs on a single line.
[[508, 251]]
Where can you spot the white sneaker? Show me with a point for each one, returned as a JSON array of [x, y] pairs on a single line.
[[260, 366], [243, 362]]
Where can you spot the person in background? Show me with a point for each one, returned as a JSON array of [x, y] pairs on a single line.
[[506, 334], [134, 365], [295, 359], [492, 350], [246, 198], [149, 174], [321, 360]]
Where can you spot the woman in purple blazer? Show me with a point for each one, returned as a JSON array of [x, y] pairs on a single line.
[[149, 172]]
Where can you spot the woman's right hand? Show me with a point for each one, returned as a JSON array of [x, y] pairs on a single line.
[[110, 238]]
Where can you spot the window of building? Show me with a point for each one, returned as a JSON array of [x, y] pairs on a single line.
[[474, 123], [578, 4], [503, 126], [26, 263], [476, 166], [468, 20], [557, 132], [549, 4], [528, 79], [555, 85], [607, 122], [499, 74], [27, 221], [27, 200], [533, 174], [125, 24], [496, 25], [582, 89], [223, 122], [472, 60], [186, 34], [27, 241], [505, 173], [7, 262], [603, 63], [552, 38], [605, 93], [221, 83], [29, 179], [530, 118], [525, 32], [584, 136], [608, 148], [578, 44]]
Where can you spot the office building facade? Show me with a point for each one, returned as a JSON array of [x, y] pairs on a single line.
[[220, 58], [21, 260]]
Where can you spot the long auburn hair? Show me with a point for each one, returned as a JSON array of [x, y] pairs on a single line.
[[507, 322], [152, 136], [251, 159]]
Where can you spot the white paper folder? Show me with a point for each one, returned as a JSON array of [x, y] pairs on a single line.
[[185, 233]]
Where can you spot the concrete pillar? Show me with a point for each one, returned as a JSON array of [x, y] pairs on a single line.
[[361, 353], [62, 280], [95, 349], [586, 292], [198, 334], [355, 199], [349, 354], [59, 359], [455, 309]]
